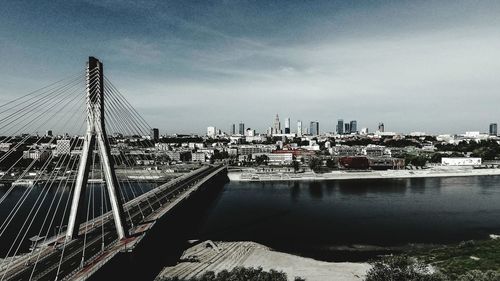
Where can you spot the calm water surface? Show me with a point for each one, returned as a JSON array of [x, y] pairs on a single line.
[[355, 219], [352, 220]]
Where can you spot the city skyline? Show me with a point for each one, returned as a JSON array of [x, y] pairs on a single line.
[[434, 63]]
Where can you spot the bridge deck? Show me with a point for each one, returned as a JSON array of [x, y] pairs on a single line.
[[144, 210]]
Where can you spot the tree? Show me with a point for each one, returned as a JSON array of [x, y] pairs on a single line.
[[330, 163], [416, 160], [296, 166], [238, 273], [436, 158], [315, 164], [261, 159]]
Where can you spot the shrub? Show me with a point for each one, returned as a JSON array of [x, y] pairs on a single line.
[[239, 274], [476, 275], [401, 268]]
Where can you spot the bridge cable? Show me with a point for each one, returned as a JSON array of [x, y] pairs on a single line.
[[42, 195]]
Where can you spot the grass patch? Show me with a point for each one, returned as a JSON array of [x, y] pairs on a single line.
[[455, 260]]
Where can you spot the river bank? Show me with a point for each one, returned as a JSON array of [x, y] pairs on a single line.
[[250, 174], [456, 259], [217, 256]]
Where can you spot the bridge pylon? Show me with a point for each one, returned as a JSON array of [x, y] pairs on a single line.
[[96, 132]]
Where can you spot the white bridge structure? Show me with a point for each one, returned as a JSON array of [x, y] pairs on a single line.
[[96, 131], [73, 198]]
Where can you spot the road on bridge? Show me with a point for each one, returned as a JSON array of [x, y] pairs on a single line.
[[52, 267]]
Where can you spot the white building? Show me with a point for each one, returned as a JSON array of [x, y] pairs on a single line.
[[472, 134], [198, 157], [252, 149], [211, 131], [193, 145], [344, 150], [374, 151], [162, 146], [36, 154], [249, 132], [460, 161], [258, 138], [4, 147], [276, 158]]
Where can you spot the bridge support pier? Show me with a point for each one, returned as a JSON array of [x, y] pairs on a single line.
[[95, 134]]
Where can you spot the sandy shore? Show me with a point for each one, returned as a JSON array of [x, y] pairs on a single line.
[[251, 175], [218, 256]]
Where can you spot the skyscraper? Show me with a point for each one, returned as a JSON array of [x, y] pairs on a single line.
[[381, 127], [233, 129], [354, 126], [299, 128], [340, 126], [155, 134], [493, 129], [287, 125], [241, 128], [347, 128], [314, 128], [277, 125]]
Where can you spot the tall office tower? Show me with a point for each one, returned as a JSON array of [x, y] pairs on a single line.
[[233, 129], [277, 125], [299, 128], [340, 126], [48, 133], [155, 134], [269, 131], [493, 129], [354, 126], [314, 128], [381, 127], [287, 125], [211, 131], [241, 128], [347, 128]]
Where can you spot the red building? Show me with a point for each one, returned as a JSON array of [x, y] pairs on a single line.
[[354, 162]]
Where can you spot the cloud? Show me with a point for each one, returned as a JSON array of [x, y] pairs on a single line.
[[418, 77], [426, 66]]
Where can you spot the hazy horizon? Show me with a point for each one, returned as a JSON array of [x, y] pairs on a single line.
[[429, 66]]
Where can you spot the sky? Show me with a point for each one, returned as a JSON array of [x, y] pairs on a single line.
[[428, 66]]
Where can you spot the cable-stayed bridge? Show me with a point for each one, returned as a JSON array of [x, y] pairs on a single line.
[[70, 202]]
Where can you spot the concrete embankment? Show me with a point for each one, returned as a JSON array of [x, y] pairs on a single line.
[[249, 175], [218, 256]]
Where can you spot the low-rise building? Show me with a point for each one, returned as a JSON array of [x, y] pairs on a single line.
[[198, 157], [178, 155], [344, 150], [276, 158], [36, 154], [252, 149], [461, 161], [374, 151], [4, 147], [386, 163]]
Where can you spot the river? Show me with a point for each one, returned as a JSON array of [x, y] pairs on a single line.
[[355, 219], [347, 220]]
